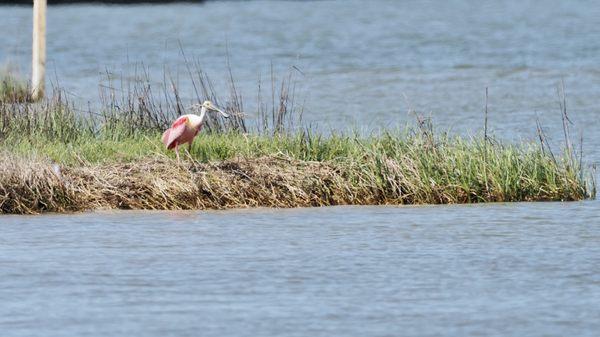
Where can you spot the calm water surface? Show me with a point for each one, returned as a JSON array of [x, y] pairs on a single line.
[[503, 270], [486, 270], [365, 63]]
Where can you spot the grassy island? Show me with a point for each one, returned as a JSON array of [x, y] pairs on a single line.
[[55, 158]]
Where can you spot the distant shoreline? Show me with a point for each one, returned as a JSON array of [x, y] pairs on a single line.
[[108, 2]]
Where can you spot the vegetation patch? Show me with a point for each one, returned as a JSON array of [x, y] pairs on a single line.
[[13, 90], [56, 159]]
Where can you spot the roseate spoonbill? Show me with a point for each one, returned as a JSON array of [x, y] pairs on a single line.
[[186, 127]]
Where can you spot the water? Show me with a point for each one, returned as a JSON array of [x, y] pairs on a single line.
[[365, 64], [495, 270], [490, 270]]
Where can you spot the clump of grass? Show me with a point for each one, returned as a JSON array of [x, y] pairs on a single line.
[[58, 158], [28, 187], [13, 90]]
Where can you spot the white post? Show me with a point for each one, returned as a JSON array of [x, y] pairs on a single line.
[[38, 67]]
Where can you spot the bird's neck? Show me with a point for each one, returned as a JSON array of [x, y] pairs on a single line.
[[196, 121], [202, 115]]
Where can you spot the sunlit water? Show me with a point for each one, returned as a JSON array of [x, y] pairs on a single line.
[[502, 269]]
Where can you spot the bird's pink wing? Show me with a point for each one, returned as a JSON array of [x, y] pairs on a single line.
[[165, 137], [169, 137]]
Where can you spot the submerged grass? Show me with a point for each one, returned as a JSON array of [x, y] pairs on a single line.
[[56, 159]]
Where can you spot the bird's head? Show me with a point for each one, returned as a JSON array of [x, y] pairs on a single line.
[[210, 107]]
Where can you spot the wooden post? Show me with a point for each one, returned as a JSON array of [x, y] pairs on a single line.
[[38, 67]]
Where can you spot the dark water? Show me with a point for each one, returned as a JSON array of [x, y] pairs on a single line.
[[487, 270], [491, 270]]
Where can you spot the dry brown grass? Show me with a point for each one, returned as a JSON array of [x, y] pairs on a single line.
[[33, 185], [28, 187]]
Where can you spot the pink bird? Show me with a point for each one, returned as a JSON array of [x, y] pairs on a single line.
[[186, 127]]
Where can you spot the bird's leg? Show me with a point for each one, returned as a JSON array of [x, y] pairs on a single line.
[[187, 151], [177, 153]]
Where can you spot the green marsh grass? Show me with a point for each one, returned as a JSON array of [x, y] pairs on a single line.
[[13, 90]]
